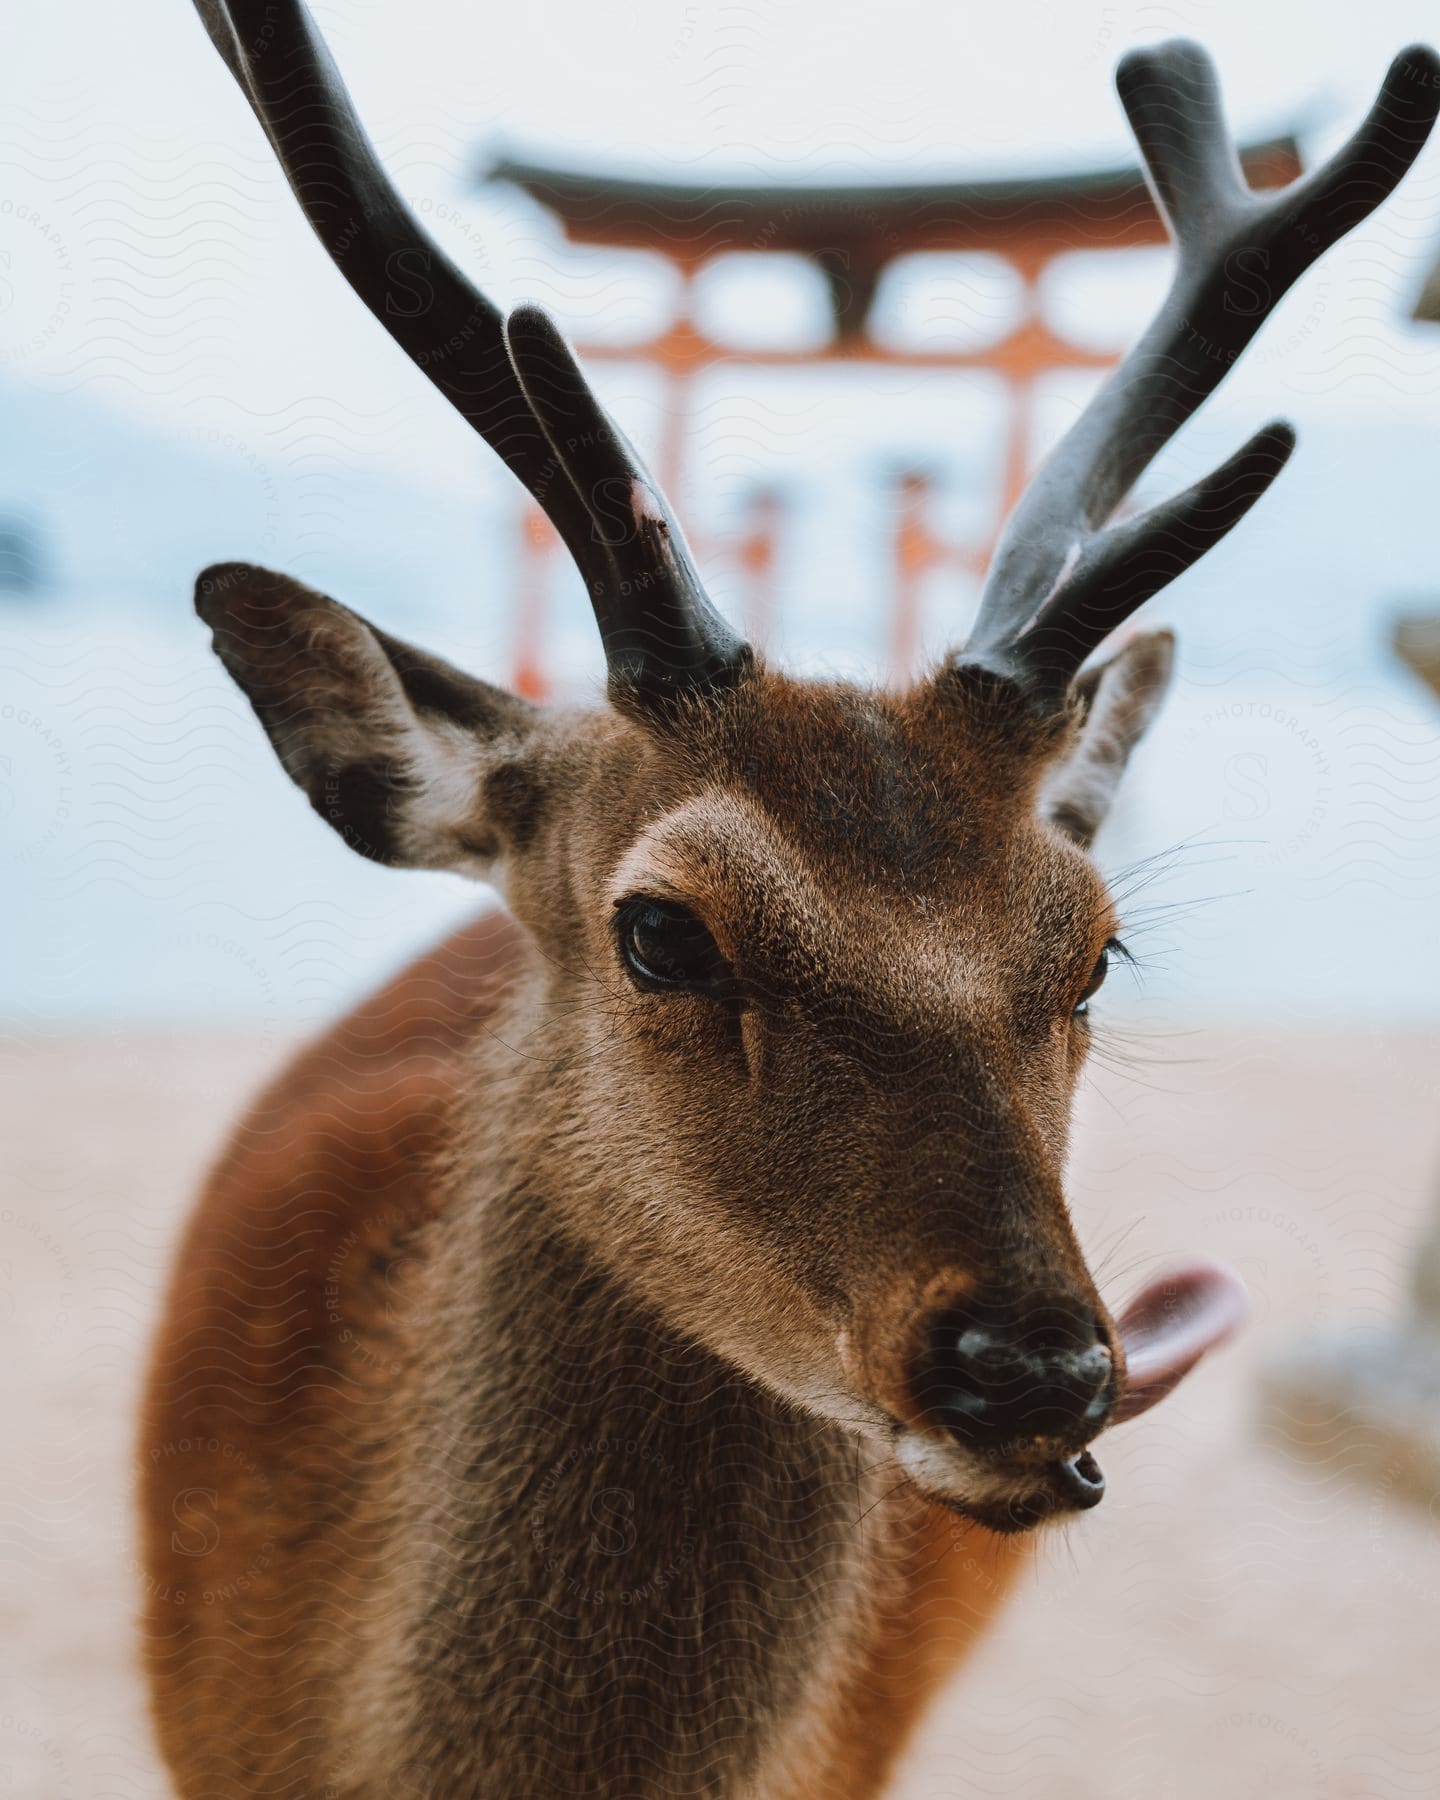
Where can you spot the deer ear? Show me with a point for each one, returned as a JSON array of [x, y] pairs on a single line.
[[1118, 699], [393, 747]]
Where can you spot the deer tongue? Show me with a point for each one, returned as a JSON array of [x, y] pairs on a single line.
[[1169, 1326]]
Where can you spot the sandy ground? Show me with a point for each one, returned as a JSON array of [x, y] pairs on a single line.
[[1232, 1619]]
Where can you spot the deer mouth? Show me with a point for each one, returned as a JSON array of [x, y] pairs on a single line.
[[1065, 1485], [1170, 1325], [1165, 1332]]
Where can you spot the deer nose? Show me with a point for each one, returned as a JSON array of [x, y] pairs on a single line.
[[996, 1378]]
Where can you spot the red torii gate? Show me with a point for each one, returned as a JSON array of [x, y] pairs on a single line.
[[852, 234]]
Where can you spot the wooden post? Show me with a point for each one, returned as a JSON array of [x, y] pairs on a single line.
[[914, 555], [531, 677], [755, 552]]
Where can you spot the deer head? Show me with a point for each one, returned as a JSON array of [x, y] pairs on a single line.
[[816, 959]]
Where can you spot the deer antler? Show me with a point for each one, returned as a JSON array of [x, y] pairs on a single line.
[[1060, 583], [514, 380]]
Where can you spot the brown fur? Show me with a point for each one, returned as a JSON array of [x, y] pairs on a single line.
[[567, 1361], [524, 1417]]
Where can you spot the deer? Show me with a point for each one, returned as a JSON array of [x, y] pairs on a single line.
[[631, 1354]]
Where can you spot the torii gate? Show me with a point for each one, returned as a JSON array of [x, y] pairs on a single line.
[[851, 234]]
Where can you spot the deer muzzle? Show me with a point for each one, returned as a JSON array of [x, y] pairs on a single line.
[[1006, 1397], [1018, 1382]]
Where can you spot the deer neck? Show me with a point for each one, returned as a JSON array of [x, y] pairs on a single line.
[[596, 1506]]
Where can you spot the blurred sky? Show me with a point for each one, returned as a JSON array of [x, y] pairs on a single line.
[[175, 347]]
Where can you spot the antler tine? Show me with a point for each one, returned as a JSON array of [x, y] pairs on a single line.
[[626, 511], [1059, 583], [522, 392]]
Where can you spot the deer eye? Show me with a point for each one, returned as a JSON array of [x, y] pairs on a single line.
[[666, 946], [1095, 983]]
